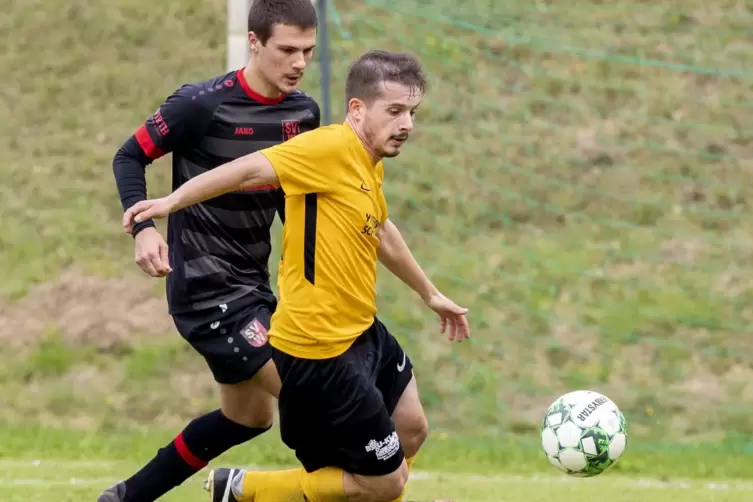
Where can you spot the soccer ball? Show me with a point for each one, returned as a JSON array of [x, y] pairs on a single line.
[[583, 433]]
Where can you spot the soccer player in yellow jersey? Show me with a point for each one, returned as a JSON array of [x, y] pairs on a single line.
[[345, 379]]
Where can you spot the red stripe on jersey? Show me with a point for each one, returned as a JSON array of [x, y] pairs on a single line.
[[146, 143], [255, 95]]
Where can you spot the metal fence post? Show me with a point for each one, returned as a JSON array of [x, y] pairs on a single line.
[[324, 62]]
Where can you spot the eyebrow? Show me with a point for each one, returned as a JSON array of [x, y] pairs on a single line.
[[402, 105], [296, 48]]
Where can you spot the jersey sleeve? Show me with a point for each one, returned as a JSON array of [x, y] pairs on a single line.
[[180, 121], [307, 163], [317, 114]]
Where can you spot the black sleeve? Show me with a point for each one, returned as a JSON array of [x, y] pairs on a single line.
[[178, 123], [317, 114]]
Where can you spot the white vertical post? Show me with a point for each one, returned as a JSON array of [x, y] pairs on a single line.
[[237, 33]]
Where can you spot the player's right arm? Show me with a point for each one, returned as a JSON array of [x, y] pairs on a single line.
[[180, 120], [300, 165]]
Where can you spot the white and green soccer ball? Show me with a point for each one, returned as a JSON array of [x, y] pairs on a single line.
[[583, 433]]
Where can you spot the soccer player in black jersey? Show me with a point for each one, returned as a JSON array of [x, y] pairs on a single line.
[[216, 255]]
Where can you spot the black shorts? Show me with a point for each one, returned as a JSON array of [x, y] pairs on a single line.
[[337, 412], [232, 337]]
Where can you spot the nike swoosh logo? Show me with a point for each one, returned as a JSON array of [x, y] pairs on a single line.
[[401, 366], [364, 188]]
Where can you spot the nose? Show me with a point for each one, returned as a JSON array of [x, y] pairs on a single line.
[[406, 125], [299, 63]]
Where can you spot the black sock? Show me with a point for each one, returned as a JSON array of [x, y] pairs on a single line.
[[203, 440]]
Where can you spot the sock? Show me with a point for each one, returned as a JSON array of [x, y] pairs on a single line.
[[324, 485], [408, 461], [269, 486], [293, 485], [204, 439]]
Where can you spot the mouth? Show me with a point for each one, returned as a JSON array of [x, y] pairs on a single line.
[[292, 79], [398, 140]]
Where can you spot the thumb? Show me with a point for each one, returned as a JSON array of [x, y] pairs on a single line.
[[457, 309], [143, 215], [165, 257], [132, 213]]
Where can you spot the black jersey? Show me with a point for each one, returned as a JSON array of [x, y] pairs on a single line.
[[219, 249]]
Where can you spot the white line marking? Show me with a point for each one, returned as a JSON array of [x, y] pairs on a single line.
[[104, 482], [718, 485], [74, 464], [606, 479]]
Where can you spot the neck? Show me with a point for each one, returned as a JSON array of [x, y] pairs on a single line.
[[374, 157], [259, 84]]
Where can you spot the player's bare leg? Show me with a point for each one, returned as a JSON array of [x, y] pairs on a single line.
[[251, 403], [410, 421], [376, 488], [411, 425]]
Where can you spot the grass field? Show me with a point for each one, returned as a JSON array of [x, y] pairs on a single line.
[[49, 465], [76, 481], [580, 179]]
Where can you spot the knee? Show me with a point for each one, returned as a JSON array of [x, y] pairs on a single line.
[[252, 409], [389, 487], [254, 419], [394, 485], [414, 434]]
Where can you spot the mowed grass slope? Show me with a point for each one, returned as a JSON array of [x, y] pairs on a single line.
[[579, 178]]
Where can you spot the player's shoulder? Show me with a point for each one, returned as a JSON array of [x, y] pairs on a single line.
[[299, 96], [208, 93], [328, 136], [301, 99]]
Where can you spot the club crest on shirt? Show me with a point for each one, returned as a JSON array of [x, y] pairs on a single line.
[[255, 333], [290, 129]]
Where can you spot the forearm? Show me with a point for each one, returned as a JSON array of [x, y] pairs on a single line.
[[129, 166], [398, 259], [245, 172]]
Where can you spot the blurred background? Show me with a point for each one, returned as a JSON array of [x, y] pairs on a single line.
[[580, 178]]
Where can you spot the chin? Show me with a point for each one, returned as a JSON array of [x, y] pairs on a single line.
[[286, 89], [392, 152]]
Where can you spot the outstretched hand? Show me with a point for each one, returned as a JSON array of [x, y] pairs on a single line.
[[145, 210], [452, 317]]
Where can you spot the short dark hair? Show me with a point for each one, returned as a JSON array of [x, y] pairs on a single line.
[[375, 67], [264, 14]]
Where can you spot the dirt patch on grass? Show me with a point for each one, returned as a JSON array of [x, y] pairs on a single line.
[[85, 310]]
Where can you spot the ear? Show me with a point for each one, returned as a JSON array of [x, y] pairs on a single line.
[[253, 42], [356, 108]]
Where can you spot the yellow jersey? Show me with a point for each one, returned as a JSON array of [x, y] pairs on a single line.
[[334, 205]]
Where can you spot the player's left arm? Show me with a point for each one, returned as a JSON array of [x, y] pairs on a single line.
[[397, 257]]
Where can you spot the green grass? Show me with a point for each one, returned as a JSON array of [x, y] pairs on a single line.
[[84, 482], [75, 482], [44, 464], [579, 178]]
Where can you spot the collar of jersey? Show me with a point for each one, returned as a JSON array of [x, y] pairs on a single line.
[[361, 147]]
